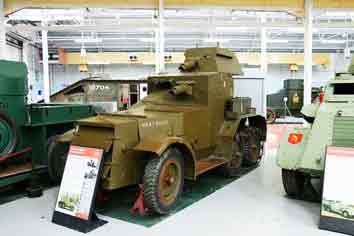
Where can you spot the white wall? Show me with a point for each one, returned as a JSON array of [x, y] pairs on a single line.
[[13, 53], [277, 73]]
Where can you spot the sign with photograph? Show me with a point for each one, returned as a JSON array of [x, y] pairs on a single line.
[[337, 209], [78, 186]]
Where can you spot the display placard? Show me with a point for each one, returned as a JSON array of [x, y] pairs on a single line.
[[337, 208], [74, 205]]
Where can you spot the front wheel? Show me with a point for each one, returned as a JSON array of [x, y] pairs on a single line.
[[163, 181], [294, 183]]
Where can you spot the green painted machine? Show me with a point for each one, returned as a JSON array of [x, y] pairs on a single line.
[[188, 124], [301, 154], [287, 101], [26, 131]]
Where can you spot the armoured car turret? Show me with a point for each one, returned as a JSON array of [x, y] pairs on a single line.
[[301, 153], [187, 125]]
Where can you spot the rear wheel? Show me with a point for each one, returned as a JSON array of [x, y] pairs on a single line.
[[57, 156], [232, 168], [294, 183], [163, 181], [252, 148]]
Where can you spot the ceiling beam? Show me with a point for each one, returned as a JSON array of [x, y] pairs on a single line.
[[148, 26], [291, 5], [15, 5]]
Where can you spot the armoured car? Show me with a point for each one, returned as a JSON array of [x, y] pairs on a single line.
[[188, 124]]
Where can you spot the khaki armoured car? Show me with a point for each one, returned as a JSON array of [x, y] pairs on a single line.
[[188, 124]]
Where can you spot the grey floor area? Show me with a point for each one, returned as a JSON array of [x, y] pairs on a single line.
[[252, 205]]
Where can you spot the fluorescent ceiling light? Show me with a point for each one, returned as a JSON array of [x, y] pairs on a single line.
[[147, 40], [336, 13], [225, 28], [214, 40], [88, 40], [300, 30], [278, 41], [333, 41]]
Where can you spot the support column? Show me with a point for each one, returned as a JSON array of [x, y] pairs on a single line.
[[46, 81], [264, 61], [160, 40], [2, 32], [308, 51], [157, 51], [27, 59]]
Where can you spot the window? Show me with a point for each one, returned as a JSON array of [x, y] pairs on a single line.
[[343, 89]]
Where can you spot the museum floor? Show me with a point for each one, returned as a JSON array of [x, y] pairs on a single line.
[[252, 205]]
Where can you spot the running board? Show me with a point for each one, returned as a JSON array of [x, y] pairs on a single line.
[[205, 165]]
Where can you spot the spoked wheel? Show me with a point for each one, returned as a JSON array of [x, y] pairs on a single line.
[[8, 135], [232, 168], [271, 116], [252, 147], [163, 181], [294, 183], [57, 155]]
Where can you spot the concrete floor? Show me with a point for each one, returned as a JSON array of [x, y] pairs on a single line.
[[252, 205]]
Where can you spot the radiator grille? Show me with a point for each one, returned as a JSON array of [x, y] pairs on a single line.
[[343, 131]]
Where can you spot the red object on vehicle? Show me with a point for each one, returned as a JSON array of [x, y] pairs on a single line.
[[139, 203], [321, 96], [295, 138], [15, 154]]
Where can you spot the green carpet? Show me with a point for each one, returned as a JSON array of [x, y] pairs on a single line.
[[122, 200]]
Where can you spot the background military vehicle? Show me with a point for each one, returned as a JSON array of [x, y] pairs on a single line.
[[103, 92], [293, 93], [187, 125], [301, 153], [26, 130]]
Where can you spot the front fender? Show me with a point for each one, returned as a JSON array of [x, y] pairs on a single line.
[[289, 155], [158, 146]]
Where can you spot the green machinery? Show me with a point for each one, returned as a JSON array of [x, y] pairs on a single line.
[[287, 101], [188, 124], [27, 130], [301, 154]]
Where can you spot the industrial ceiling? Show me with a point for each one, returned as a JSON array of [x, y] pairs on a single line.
[[102, 29]]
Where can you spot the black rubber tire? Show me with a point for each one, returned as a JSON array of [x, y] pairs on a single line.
[[294, 183], [57, 156], [253, 138], [151, 181], [231, 169], [11, 147]]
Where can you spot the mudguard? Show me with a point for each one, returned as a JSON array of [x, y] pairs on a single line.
[[158, 146], [310, 110], [289, 155], [225, 139]]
